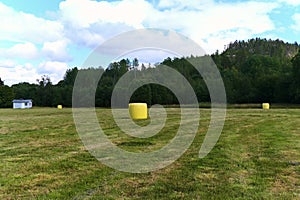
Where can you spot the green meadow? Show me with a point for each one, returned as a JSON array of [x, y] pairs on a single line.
[[257, 157]]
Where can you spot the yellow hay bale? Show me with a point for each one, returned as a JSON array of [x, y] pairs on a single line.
[[266, 106], [138, 110]]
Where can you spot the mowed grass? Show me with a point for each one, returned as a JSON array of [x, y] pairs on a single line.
[[256, 157]]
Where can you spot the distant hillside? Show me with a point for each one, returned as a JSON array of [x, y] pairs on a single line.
[[273, 48], [238, 53], [260, 70]]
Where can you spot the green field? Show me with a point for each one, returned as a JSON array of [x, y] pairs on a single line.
[[256, 157]]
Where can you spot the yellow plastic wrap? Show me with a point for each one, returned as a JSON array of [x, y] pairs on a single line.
[[138, 110]]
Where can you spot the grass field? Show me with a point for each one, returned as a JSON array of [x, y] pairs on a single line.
[[256, 157]]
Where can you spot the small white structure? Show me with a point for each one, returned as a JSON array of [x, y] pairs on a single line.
[[22, 103]]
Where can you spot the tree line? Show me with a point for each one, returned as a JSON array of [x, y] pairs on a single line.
[[253, 71]]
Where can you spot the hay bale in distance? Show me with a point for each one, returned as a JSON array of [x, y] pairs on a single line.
[[266, 106], [138, 111]]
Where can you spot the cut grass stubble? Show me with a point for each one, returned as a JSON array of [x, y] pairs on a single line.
[[42, 157]]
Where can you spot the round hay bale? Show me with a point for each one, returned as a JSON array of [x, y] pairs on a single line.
[[138, 110], [266, 106]]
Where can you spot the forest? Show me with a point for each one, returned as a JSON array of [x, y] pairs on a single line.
[[253, 71]]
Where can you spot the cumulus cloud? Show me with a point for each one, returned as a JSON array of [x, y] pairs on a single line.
[[83, 13], [56, 51], [218, 22], [22, 50], [55, 70], [19, 26], [90, 23], [7, 63], [18, 73], [290, 2], [182, 4], [34, 39], [84, 37], [207, 22], [296, 25], [13, 73]]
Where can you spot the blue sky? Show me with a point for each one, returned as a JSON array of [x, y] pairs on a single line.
[[48, 38]]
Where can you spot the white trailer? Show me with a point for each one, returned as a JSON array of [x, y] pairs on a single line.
[[22, 103]]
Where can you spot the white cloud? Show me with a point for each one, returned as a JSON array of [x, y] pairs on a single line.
[[183, 4], [296, 25], [19, 26], [7, 63], [55, 70], [56, 51], [83, 13], [13, 73], [290, 2], [84, 37], [92, 22], [18, 73], [218, 22], [24, 50]]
